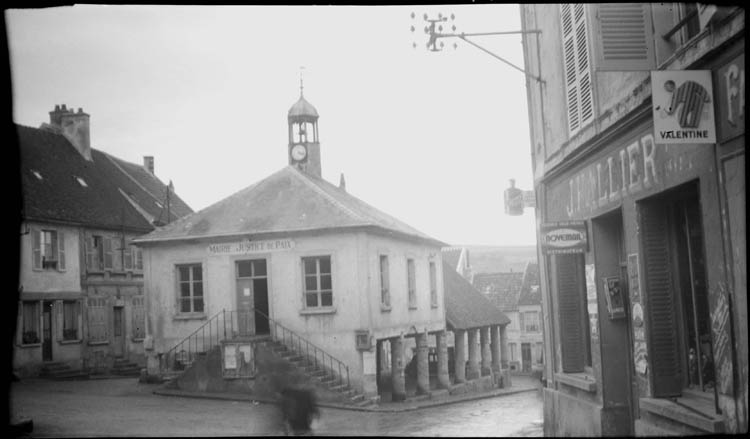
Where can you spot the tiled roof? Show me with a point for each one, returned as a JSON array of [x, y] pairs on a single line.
[[502, 289], [465, 307], [287, 201], [59, 194], [530, 292]]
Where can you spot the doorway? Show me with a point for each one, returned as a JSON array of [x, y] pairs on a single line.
[[118, 332], [252, 297], [47, 331], [525, 357]]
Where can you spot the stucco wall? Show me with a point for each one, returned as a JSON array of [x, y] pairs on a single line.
[[41, 281]]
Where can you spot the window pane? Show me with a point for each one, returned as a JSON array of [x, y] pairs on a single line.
[[325, 282], [198, 305], [185, 305], [326, 299], [311, 283], [184, 273], [244, 269], [197, 272], [311, 299], [310, 266], [30, 323], [325, 264], [184, 289], [198, 289], [259, 268]]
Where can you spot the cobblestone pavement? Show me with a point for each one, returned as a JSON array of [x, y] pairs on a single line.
[[124, 407]]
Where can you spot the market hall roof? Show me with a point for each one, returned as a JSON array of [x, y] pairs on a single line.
[[287, 201], [465, 307], [59, 184]]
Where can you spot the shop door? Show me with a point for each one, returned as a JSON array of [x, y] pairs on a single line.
[[252, 297], [119, 332], [47, 331], [526, 357]]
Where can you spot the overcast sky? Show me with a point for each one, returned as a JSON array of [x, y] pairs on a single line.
[[430, 138]]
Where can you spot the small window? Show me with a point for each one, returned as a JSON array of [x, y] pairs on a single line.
[[48, 250], [412, 283], [71, 313], [531, 321], [318, 288], [190, 287], [30, 316], [385, 282]]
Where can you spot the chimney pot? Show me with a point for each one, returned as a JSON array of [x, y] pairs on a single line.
[[80, 110], [148, 163], [63, 107], [342, 182], [57, 107]]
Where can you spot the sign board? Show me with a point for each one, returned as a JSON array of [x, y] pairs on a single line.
[[513, 198], [246, 247], [730, 90], [683, 106], [564, 237], [529, 199]]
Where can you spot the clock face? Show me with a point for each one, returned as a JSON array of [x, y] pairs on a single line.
[[299, 152]]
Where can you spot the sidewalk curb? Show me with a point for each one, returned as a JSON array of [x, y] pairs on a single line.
[[421, 405]]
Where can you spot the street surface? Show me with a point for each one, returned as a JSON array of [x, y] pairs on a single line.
[[124, 407]]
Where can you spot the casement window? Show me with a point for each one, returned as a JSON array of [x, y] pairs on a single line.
[[575, 334], [318, 285], [98, 321], [677, 297], [94, 253], [71, 320], [577, 68], [624, 37], [30, 315], [531, 321], [411, 283], [48, 250], [139, 318], [190, 288], [433, 285], [385, 282]]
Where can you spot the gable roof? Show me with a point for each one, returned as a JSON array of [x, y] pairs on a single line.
[[286, 201], [465, 307], [59, 195], [502, 289]]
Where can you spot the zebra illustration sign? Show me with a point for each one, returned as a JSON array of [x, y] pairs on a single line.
[[683, 106]]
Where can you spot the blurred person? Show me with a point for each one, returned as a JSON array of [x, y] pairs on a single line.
[[298, 408]]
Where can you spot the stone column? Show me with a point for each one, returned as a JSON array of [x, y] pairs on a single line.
[[472, 371], [484, 336], [423, 369], [441, 342], [460, 355], [398, 380]]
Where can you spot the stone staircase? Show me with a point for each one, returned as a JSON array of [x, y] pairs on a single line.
[[60, 371], [123, 367], [319, 375]]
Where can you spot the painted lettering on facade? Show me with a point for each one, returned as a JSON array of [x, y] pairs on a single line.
[[627, 171], [730, 81], [244, 247]]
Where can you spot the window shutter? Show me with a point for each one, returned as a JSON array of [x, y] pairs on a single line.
[[570, 298], [61, 251], [36, 248], [625, 37], [107, 252], [577, 65], [521, 319], [89, 247], [662, 326], [59, 322]]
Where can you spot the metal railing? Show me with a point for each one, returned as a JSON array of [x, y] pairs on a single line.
[[232, 324]]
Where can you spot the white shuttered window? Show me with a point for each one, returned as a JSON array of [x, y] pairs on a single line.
[[577, 66]]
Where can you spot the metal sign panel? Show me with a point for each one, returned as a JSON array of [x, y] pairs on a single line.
[[683, 106], [564, 237]]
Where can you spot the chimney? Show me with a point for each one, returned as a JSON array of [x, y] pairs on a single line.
[[74, 126], [342, 183], [148, 163]]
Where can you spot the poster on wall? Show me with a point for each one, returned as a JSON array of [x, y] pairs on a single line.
[[615, 297], [634, 279], [564, 237], [683, 106]]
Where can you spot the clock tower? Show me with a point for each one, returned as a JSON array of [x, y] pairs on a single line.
[[304, 148]]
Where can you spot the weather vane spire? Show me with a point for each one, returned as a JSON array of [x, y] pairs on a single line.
[[301, 84]]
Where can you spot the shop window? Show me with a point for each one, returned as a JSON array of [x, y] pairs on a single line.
[[48, 250], [97, 320], [190, 288], [318, 285], [385, 282], [412, 283], [676, 293], [433, 285], [30, 325], [574, 318], [71, 314]]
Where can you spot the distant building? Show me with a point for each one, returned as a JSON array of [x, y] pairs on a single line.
[[81, 302]]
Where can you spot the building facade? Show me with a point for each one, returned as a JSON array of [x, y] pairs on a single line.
[[645, 323], [81, 307]]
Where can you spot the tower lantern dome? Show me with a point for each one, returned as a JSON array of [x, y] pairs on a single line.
[[304, 147]]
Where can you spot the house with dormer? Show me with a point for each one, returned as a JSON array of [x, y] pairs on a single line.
[[81, 307]]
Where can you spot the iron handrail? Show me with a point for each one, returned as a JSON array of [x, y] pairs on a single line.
[[165, 357]]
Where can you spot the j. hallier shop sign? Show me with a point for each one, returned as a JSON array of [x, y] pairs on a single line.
[[246, 247]]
